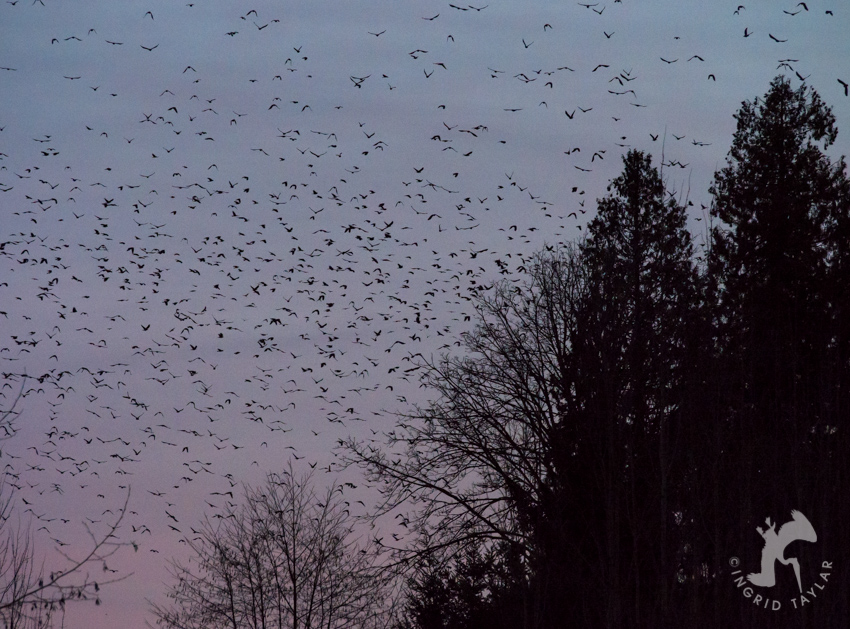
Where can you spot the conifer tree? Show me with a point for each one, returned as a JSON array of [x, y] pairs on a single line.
[[779, 291], [642, 295]]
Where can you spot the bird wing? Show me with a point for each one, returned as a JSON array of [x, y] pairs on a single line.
[[799, 528]]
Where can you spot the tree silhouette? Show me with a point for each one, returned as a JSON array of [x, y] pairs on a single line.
[[474, 589], [285, 557], [29, 598], [479, 462], [552, 433], [632, 351], [620, 420], [778, 289], [770, 255]]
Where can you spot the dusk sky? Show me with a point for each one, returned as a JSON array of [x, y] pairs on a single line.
[[230, 230]]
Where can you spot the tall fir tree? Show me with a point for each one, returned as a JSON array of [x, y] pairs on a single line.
[[632, 352], [778, 274]]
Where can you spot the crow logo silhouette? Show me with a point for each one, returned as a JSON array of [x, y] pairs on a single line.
[[799, 528]]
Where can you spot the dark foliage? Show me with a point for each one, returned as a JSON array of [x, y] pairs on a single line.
[[624, 421], [779, 300]]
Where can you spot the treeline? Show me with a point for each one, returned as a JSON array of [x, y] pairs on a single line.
[[623, 421]]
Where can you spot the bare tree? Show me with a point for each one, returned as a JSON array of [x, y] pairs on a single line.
[[29, 598], [551, 435], [285, 557], [478, 464]]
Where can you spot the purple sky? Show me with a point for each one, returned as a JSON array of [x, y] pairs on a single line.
[[226, 250]]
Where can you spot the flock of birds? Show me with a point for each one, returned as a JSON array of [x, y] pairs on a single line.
[[231, 242]]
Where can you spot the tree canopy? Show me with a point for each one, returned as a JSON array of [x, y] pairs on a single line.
[[624, 418]]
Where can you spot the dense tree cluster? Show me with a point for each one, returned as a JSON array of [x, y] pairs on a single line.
[[622, 422], [618, 426]]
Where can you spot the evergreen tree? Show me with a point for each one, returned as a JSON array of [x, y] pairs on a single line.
[[633, 349], [775, 200], [620, 421], [778, 274], [478, 589], [556, 435]]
